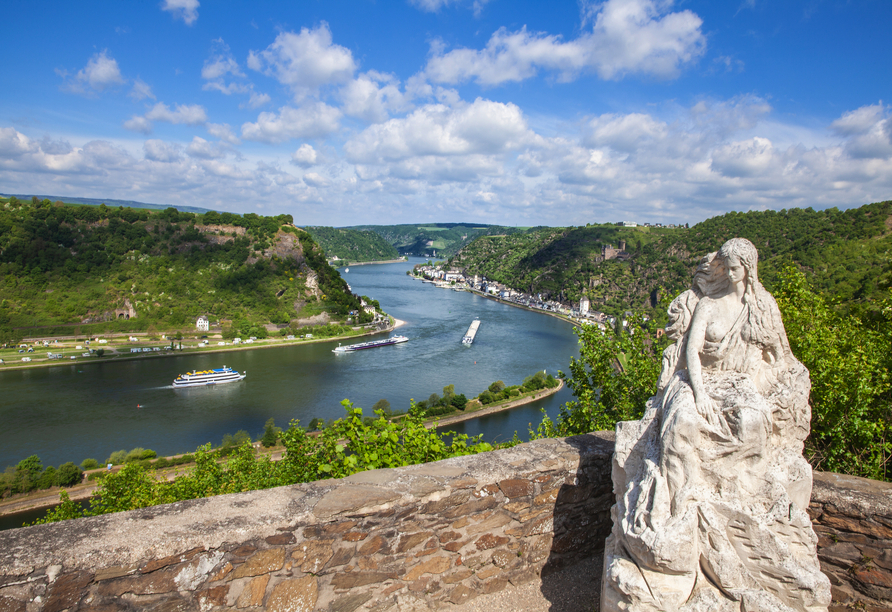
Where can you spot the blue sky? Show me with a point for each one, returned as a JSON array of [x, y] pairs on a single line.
[[519, 113]]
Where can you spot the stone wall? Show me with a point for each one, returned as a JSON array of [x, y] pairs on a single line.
[[411, 538], [420, 537], [853, 519]]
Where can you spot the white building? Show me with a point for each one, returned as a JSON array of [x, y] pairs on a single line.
[[583, 306], [202, 324]]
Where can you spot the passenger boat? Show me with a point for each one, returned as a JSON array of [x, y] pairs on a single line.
[[370, 344], [202, 378]]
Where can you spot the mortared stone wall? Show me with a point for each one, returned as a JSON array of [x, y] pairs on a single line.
[[427, 536]]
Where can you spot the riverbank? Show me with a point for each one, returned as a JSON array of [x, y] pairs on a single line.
[[369, 263], [494, 408], [192, 349], [49, 498]]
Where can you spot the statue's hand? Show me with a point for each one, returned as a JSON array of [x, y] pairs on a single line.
[[708, 409]]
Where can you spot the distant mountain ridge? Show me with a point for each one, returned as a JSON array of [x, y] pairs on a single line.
[[108, 202]]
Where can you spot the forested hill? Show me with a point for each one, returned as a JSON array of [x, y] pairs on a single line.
[[846, 254], [89, 268], [444, 239], [352, 245]]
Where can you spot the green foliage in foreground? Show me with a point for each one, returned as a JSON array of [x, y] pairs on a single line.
[[345, 447], [849, 363]]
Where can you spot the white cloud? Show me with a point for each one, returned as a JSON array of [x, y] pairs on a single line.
[[373, 96], [628, 37], [257, 100], [202, 149], [306, 61], [187, 10], [141, 91], [623, 132], [305, 156], [189, 114], [160, 151], [223, 132], [316, 180], [313, 120], [434, 6], [100, 73], [869, 129], [485, 127], [750, 158], [139, 124]]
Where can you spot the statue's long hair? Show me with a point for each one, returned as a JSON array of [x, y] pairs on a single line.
[[758, 328]]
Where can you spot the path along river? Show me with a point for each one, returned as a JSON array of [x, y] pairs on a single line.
[[72, 412]]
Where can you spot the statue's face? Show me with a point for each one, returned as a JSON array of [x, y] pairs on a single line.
[[736, 271]]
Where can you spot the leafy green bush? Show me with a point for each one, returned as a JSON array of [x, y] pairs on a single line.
[[117, 457], [89, 464]]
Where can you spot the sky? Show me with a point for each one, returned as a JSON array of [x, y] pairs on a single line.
[[509, 112]]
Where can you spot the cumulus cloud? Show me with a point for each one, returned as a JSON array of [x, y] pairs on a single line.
[[222, 72], [223, 132], [628, 37], [139, 124], [305, 156], [373, 96], [141, 91], [160, 151], [100, 73], [189, 114], [305, 61], [484, 126], [434, 6], [869, 130], [313, 120], [314, 179], [187, 10], [257, 100], [202, 149]]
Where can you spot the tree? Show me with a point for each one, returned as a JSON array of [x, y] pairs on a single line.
[[271, 434], [68, 475], [496, 387], [614, 376], [459, 402]]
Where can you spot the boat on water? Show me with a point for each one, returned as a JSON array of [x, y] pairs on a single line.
[[203, 378], [468, 338], [370, 344]]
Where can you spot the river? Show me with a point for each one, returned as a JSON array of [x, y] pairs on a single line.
[[72, 412]]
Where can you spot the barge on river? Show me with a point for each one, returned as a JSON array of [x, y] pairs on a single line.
[[204, 378], [370, 344], [469, 336]]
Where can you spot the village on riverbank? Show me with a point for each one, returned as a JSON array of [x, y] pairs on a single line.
[[578, 314]]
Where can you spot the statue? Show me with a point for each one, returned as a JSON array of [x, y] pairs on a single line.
[[711, 487]]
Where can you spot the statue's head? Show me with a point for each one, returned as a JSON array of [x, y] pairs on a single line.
[[740, 251]]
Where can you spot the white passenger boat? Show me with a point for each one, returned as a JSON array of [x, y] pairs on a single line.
[[202, 378]]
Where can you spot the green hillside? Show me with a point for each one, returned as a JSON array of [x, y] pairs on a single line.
[[352, 245], [845, 253], [426, 238], [91, 269]]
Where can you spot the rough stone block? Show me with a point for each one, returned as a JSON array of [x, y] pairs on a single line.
[[261, 562], [349, 603], [410, 541], [157, 564], [212, 597], [351, 580], [253, 592], [462, 594], [489, 541], [295, 595], [516, 487], [437, 565], [373, 545]]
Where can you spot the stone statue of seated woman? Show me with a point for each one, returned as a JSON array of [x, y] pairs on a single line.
[[711, 487]]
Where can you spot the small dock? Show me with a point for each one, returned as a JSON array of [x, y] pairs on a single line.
[[471, 333]]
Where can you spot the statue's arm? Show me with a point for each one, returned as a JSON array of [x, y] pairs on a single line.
[[696, 337]]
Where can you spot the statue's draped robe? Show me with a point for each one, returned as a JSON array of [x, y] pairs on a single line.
[[713, 517]]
